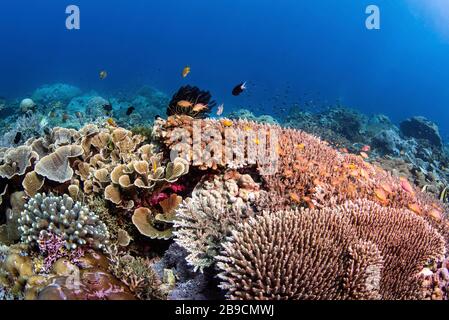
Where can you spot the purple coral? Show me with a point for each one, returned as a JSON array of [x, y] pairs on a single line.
[[53, 247]]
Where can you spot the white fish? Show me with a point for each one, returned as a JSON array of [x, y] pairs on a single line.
[[220, 109]]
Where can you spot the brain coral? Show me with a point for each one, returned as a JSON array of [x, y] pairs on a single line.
[[359, 250], [64, 217]]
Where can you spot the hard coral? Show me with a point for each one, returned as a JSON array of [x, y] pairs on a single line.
[[64, 217], [137, 273], [213, 211], [359, 250]]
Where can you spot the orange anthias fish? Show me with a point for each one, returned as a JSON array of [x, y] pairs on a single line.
[[381, 195], [415, 208], [406, 186], [199, 107], [366, 148], [387, 188], [185, 71], [184, 104], [294, 197], [436, 214]]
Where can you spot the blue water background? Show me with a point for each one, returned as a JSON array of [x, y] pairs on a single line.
[[288, 51]]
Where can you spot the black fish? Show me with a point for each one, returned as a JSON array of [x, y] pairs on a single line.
[[130, 111], [239, 89], [18, 137], [47, 131], [107, 107]]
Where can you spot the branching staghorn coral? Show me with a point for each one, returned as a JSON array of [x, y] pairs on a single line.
[[359, 250], [215, 208], [62, 216]]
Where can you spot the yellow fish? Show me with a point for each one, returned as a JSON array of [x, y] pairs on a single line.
[[154, 166], [227, 123], [256, 141], [185, 71], [301, 146], [111, 122], [103, 75]]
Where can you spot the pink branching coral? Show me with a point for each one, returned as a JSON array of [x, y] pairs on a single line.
[[53, 247]]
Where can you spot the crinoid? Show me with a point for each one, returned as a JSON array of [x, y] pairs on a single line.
[[191, 101]]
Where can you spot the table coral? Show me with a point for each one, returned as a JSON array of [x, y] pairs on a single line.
[[356, 251]]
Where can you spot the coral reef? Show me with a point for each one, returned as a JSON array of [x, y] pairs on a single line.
[[245, 114], [101, 198]]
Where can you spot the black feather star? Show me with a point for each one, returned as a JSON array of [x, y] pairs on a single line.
[[191, 101]]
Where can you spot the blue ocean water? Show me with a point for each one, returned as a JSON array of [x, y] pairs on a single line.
[[287, 50]]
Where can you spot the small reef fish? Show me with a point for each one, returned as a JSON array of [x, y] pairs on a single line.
[[364, 155], [294, 197], [79, 115], [436, 214], [227, 123], [186, 71], [154, 166], [301, 146], [103, 75], [366, 148], [415, 208], [444, 195], [18, 137], [65, 117], [199, 107], [111, 122], [239, 89], [406, 186], [184, 104], [130, 111], [220, 109], [107, 107], [381, 194]]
